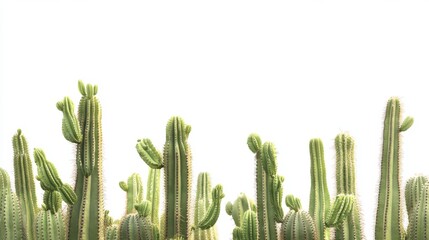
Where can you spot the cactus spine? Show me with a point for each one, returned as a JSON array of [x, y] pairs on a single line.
[[11, 225], [351, 229], [134, 189], [202, 203], [268, 187], [24, 182], [86, 217], [319, 194], [389, 214], [297, 224]]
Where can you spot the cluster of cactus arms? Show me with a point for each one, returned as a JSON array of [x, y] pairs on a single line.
[[21, 218]]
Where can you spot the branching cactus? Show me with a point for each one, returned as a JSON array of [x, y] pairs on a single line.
[[212, 212], [297, 224], [202, 202], [388, 225], [86, 217], [177, 176], [351, 229], [138, 226], [237, 209], [319, 194], [268, 187], [419, 224], [134, 189], [11, 225], [24, 182]]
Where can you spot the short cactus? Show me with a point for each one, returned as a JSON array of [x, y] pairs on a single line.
[[413, 191], [202, 202], [137, 226], [297, 224], [388, 225], [134, 189]]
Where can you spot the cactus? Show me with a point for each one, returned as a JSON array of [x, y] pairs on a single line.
[[319, 194], [389, 213], [137, 226], [134, 190], [86, 217], [211, 215], [297, 224], [152, 194], [351, 229], [249, 226], [413, 190], [268, 187], [419, 224], [177, 176], [50, 226], [11, 225], [202, 202], [240, 206], [340, 210], [24, 182], [112, 232]]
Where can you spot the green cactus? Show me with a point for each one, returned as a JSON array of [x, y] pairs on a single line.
[[340, 210], [137, 226], [152, 194], [86, 216], [413, 190], [388, 225], [112, 232], [319, 194], [297, 224], [210, 217], [268, 187], [177, 176], [249, 226], [202, 202], [50, 223], [70, 127], [24, 182], [240, 206], [419, 224], [134, 189], [11, 225], [351, 229]]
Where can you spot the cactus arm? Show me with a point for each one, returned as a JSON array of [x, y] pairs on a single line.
[[149, 154], [389, 215], [24, 182], [340, 210], [213, 211], [152, 194], [319, 195], [70, 126]]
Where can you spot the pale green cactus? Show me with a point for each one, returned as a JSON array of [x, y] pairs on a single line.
[[24, 182], [419, 224], [50, 226], [268, 187], [351, 229], [112, 232], [202, 202], [11, 225], [152, 194], [250, 227], [211, 215], [86, 217], [413, 190], [340, 210], [388, 224], [239, 207], [297, 224], [71, 129], [137, 226], [134, 189]]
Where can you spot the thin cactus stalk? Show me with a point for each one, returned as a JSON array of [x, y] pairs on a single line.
[[86, 217], [413, 190], [388, 225], [202, 203], [268, 187], [152, 194], [351, 229], [11, 225], [297, 224], [319, 194], [177, 176], [419, 224], [134, 189], [24, 182]]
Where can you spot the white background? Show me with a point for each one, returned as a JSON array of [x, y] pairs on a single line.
[[288, 71]]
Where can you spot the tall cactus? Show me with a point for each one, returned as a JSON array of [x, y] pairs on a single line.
[[202, 202], [319, 194], [177, 176], [24, 182], [11, 225], [268, 186], [351, 229], [152, 194], [86, 217], [388, 225], [297, 224], [134, 189]]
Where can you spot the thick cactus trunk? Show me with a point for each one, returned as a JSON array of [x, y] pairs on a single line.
[[24, 183]]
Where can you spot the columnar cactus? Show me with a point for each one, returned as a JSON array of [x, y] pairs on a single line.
[[388, 225], [86, 217], [239, 207], [152, 194], [297, 224], [112, 232], [11, 225], [268, 187], [249, 229], [177, 176], [137, 226], [419, 224], [211, 215], [134, 189], [202, 202], [50, 226], [24, 182], [413, 191], [351, 229], [319, 194]]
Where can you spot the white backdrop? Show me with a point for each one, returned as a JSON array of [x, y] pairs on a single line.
[[289, 72]]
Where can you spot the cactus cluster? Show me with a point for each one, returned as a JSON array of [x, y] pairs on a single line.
[[186, 218]]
